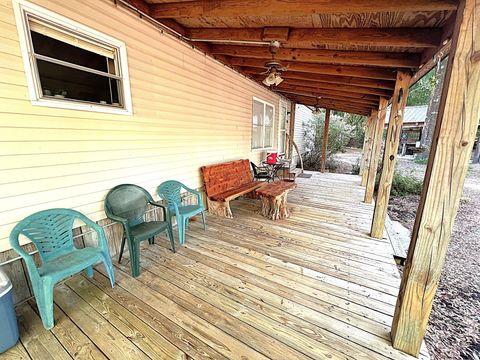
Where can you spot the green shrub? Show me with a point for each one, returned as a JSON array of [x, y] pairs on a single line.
[[421, 161], [339, 134], [403, 185]]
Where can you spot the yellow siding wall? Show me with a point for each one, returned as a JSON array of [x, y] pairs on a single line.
[[189, 111]]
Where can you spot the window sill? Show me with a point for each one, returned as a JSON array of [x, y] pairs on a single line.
[[59, 104], [264, 149]]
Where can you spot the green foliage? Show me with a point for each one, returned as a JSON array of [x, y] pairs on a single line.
[[422, 161], [421, 91], [339, 135], [403, 185], [357, 122]]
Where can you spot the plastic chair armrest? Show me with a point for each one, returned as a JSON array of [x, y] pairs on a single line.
[[102, 239], [166, 211], [195, 192], [31, 266]]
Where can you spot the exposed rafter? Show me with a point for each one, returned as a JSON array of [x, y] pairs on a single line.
[[356, 71], [331, 79], [229, 8], [310, 38], [369, 58], [339, 87]]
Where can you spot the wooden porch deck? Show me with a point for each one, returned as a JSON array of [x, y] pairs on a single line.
[[314, 286]]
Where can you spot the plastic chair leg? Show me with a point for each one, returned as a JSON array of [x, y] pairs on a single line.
[[89, 272], [121, 248], [203, 220], [170, 236], [134, 250], [107, 262], [44, 298], [181, 230]]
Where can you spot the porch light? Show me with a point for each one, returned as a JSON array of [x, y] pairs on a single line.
[[273, 79]]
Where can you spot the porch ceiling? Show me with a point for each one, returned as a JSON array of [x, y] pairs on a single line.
[[347, 53]]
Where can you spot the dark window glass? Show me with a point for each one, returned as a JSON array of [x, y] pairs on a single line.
[[65, 82], [44, 45]]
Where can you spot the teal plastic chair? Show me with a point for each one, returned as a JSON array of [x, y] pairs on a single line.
[[51, 233], [170, 191], [127, 204]]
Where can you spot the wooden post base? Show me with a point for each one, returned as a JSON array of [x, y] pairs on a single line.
[[220, 208], [275, 208]]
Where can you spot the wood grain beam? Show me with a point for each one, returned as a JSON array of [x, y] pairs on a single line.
[[399, 101], [369, 58], [327, 97], [367, 149], [376, 149], [331, 92], [325, 141], [310, 38], [330, 79], [338, 87], [233, 8], [343, 70], [333, 105], [448, 163]]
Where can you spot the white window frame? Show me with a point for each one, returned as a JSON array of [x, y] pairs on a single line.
[[263, 148], [23, 8], [281, 105]]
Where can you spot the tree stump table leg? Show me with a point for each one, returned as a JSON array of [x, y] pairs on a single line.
[[275, 208], [220, 208]]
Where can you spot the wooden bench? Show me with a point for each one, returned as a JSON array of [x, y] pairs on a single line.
[[225, 182], [274, 199]]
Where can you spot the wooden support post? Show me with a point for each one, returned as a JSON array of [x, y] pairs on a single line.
[[376, 147], [448, 162], [399, 100], [367, 149], [325, 140], [291, 131]]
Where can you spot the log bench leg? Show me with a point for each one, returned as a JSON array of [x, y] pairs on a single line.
[[275, 208], [220, 208]]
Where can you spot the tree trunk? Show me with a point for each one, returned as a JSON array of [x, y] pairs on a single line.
[[429, 126]]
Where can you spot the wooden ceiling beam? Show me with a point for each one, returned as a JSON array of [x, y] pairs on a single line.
[[311, 38], [369, 58], [343, 70], [338, 106], [233, 8], [345, 94], [314, 95], [330, 79], [337, 87]]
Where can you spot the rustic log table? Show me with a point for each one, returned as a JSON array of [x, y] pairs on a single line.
[[274, 199]]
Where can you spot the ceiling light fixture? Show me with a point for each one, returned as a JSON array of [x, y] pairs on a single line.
[[317, 110]]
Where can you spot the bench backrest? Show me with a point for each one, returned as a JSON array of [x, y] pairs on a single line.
[[227, 176]]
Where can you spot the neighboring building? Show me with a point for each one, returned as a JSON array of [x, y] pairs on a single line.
[[413, 122], [303, 114]]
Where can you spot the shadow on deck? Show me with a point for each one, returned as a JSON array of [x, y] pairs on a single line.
[[312, 286]]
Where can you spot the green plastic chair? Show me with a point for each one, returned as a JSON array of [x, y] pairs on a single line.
[[127, 204], [170, 191], [51, 233]]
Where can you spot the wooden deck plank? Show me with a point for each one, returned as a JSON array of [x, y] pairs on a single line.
[[39, 343], [182, 339], [75, 342], [17, 352], [105, 336], [143, 336], [313, 286]]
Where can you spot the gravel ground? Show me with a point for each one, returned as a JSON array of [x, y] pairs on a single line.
[[454, 327]]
